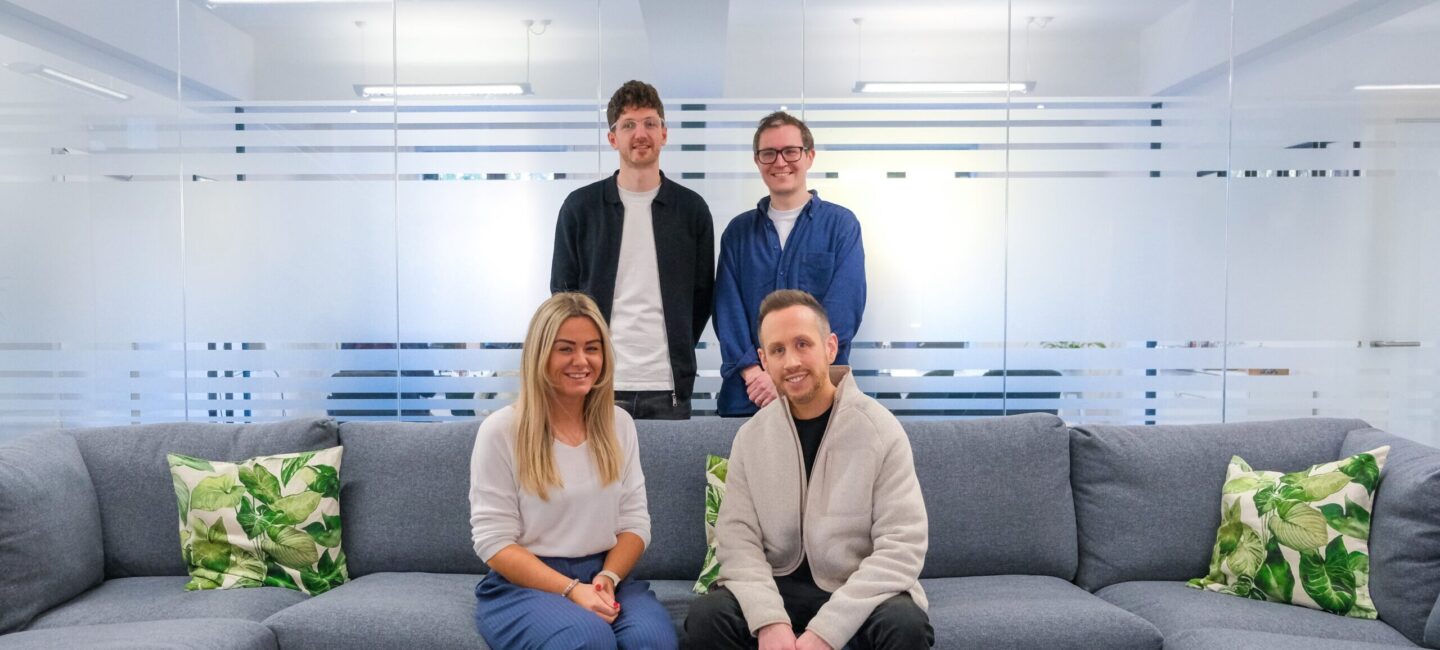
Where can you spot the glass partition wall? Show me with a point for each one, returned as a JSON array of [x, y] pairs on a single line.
[[1120, 211]]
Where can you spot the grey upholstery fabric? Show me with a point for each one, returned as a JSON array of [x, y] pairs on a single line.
[[50, 543], [133, 487], [1210, 639], [1029, 612], [673, 457], [1147, 498], [1174, 607], [997, 494], [196, 634], [1404, 532], [405, 497], [384, 611], [127, 600]]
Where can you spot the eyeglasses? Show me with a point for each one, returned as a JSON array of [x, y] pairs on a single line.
[[629, 126], [789, 154]]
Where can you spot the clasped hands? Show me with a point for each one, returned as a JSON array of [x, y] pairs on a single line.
[[597, 597]]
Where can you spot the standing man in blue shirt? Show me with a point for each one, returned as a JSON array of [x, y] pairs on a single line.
[[791, 240]]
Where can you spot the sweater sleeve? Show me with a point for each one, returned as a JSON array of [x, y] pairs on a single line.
[[743, 567], [634, 510], [900, 530], [494, 495]]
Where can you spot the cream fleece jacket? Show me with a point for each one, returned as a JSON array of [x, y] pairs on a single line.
[[864, 529]]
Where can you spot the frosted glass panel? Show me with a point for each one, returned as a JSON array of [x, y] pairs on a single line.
[[1116, 216], [1177, 213], [90, 305], [290, 228], [924, 173], [1332, 269]]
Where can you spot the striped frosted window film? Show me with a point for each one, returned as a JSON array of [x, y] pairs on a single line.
[[1176, 224]]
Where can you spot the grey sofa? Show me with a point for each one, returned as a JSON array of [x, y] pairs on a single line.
[[1042, 536]]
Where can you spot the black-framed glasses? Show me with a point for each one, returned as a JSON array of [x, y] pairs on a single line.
[[788, 154]]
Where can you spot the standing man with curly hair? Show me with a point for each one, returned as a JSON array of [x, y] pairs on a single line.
[[643, 247]]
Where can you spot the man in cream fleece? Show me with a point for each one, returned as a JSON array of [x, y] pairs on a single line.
[[822, 533]]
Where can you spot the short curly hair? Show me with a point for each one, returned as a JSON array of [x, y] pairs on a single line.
[[633, 94]]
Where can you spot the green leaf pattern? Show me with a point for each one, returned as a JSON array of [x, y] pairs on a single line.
[[716, 470], [1308, 529], [267, 521]]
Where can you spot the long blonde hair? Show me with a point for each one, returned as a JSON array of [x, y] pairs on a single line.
[[534, 451]]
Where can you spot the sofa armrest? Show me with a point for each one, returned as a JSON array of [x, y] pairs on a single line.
[[50, 542], [1404, 533]]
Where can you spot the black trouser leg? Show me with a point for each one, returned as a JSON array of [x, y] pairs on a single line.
[[715, 622], [896, 624], [652, 405]]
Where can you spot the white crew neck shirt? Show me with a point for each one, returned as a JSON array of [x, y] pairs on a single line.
[[784, 221], [637, 317], [581, 518]]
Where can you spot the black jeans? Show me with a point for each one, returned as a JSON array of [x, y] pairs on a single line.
[[716, 621], [652, 405]]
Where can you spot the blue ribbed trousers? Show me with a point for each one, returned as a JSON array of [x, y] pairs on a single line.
[[511, 617]]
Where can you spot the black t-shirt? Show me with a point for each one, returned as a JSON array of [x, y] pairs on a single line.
[[811, 431]]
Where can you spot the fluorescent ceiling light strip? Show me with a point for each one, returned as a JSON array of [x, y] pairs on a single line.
[[1398, 87], [80, 84], [443, 90], [912, 87]]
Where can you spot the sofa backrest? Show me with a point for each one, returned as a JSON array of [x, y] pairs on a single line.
[[405, 497], [1147, 498], [1404, 534], [997, 493], [50, 539], [673, 456], [136, 496]]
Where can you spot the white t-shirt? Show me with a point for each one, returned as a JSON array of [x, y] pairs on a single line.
[[637, 317], [784, 221], [582, 518]]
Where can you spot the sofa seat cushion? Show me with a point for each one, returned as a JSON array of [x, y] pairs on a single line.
[[1175, 607], [385, 610], [1029, 612], [128, 600], [196, 633], [676, 596], [1211, 638]]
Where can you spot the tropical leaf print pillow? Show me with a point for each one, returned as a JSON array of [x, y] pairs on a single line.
[[267, 521], [1300, 538], [716, 468]]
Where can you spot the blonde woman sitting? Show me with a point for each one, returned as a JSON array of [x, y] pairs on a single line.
[[557, 499]]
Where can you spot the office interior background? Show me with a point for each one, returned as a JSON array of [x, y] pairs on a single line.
[[1158, 211]]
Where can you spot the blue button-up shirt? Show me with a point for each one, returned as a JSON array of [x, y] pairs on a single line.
[[823, 256]]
